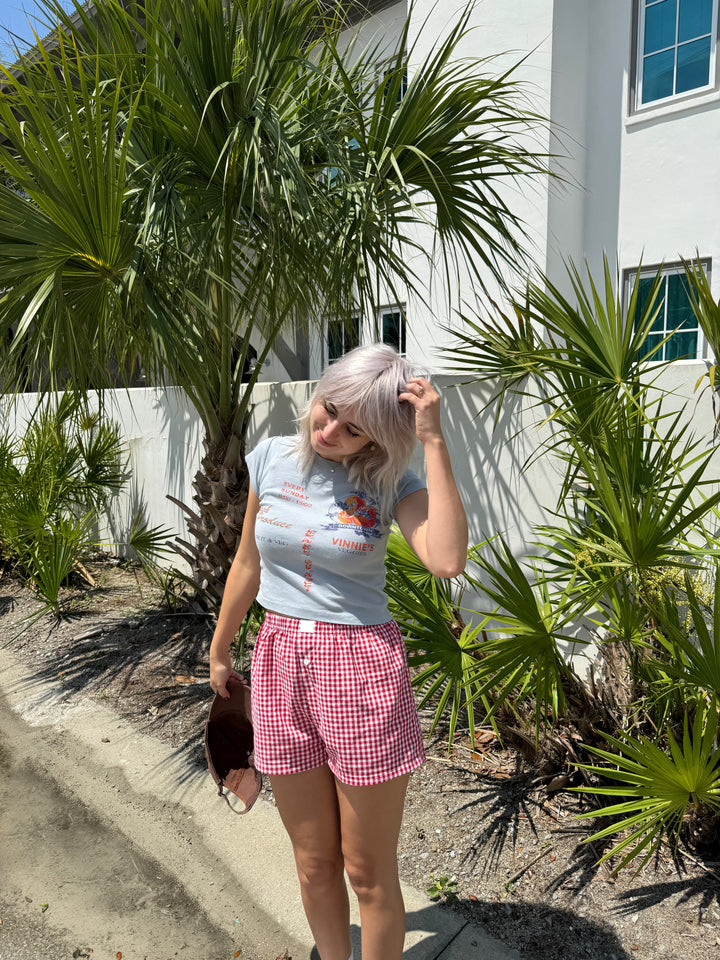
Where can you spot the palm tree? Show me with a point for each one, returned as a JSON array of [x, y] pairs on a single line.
[[633, 549], [184, 179]]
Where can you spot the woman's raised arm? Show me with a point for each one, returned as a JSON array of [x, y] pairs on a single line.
[[433, 522]]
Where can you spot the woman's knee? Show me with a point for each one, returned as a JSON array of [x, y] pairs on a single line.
[[370, 878], [318, 872]]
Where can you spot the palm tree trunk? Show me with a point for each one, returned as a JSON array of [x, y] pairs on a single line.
[[221, 492]]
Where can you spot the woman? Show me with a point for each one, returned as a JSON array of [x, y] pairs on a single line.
[[335, 723]]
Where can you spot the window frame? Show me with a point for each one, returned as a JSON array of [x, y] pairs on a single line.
[[667, 270], [636, 64]]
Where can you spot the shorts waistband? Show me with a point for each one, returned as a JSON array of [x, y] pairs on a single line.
[[308, 626]]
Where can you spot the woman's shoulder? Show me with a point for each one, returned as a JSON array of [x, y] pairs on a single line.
[[270, 448], [409, 483], [272, 444]]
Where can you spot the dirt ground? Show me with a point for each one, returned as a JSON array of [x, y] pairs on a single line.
[[478, 816]]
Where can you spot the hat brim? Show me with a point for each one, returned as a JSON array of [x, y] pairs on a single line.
[[229, 745]]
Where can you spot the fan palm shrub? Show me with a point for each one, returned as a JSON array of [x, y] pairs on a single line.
[[442, 649], [630, 552], [192, 179], [532, 620], [663, 784], [54, 482]]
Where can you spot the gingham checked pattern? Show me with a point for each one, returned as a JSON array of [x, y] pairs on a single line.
[[333, 693]]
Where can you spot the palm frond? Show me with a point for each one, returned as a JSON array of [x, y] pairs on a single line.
[[661, 787]]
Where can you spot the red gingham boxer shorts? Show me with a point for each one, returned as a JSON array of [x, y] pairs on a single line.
[[336, 694]]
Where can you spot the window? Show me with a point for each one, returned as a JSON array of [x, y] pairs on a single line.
[[675, 312], [342, 335], [676, 48], [394, 82], [393, 327]]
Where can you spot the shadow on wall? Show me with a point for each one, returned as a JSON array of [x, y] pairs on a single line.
[[503, 486], [275, 409], [183, 432], [119, 522]]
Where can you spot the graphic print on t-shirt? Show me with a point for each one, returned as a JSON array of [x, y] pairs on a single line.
[[356, 513], [294, 493]]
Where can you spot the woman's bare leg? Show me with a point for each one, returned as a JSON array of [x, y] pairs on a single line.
[[370, 819], [308, 806]]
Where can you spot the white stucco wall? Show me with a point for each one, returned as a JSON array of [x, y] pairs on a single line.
[[507, 31], [632, 186]]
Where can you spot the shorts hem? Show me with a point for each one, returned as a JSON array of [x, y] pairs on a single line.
[[287, 772], [370, 780]]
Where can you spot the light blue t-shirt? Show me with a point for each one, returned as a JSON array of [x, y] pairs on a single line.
[[321, 540]]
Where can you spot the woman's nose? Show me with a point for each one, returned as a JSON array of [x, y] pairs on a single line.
[[330, 430]]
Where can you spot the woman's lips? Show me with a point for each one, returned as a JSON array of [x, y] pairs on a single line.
[[321, 441]]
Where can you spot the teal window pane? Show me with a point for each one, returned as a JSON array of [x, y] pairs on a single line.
[[644, 288], [352, 333], [679, 305], [342, 336], [652, 341], [695, 19], [659, 311], [393, 325], [676, 323], [335, 339], [645, 285], [693, 65], [391, 80], [658, 73], [660, 26], [682, 346]]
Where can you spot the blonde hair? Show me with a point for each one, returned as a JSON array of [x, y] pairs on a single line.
[[365, 385]]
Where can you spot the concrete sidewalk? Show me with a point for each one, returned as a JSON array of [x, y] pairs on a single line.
[[238, 870]]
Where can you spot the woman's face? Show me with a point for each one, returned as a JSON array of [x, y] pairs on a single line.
[[333, 435]]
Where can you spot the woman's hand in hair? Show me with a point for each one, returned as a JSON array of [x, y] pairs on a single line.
[[426, 402], [433, 521]]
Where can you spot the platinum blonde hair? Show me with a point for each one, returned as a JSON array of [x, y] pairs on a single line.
[[364, 385]]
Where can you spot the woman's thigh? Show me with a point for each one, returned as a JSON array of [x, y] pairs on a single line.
[[308, 806], [370, 821]]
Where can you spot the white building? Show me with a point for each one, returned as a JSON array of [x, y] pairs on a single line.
[[631, 90]]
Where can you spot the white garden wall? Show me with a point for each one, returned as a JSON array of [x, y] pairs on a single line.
[[164, 444]]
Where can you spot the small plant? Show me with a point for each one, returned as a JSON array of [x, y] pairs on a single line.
[[658, 787], [54, 482], [442, 649], [443, 888]]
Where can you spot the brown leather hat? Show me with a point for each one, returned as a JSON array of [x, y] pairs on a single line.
[[229, 745]]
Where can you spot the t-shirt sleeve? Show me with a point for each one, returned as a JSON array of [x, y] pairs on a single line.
[[410, 483], [256, 462]]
